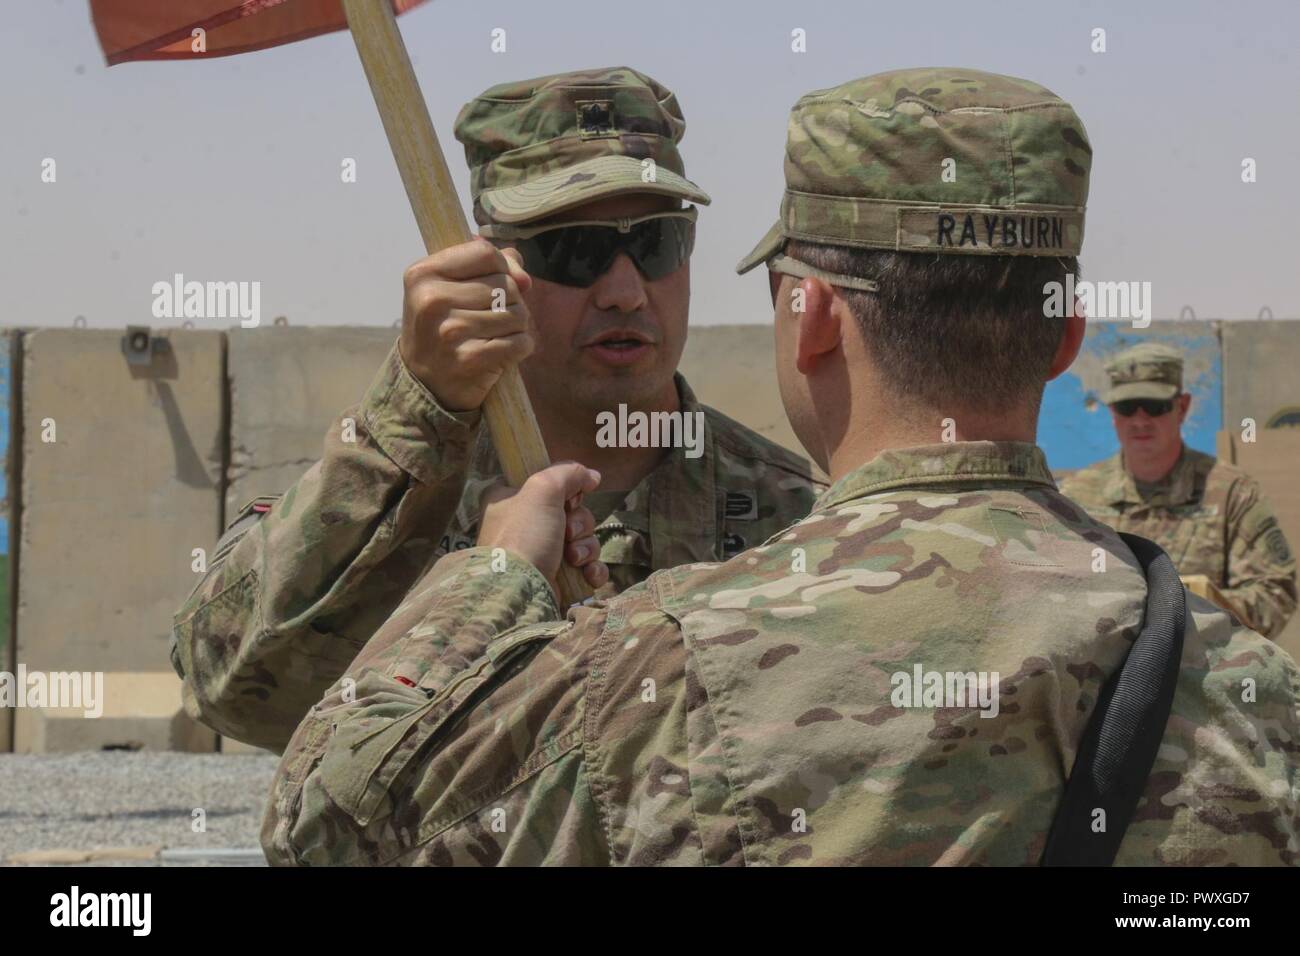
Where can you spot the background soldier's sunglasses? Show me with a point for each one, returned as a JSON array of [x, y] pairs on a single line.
[[579, 253], [1154, 407]]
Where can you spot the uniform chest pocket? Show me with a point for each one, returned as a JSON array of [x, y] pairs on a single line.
[[1194, 539], [369, 753]]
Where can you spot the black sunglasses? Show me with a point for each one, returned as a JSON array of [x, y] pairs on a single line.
[[1154, 407], [579, 253]]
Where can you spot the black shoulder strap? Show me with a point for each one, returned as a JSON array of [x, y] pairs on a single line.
[[1119, 745]]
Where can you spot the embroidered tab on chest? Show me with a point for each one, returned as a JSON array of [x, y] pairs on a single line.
[[740, 506]]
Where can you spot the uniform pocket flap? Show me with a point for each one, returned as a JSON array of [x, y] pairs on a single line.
[[363, 756], [502, 649], [368, 753]]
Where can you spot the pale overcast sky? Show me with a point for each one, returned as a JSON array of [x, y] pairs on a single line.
[[229, 169]]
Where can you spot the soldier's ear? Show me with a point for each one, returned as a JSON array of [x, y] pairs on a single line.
[[813, 304], [1071, 341]]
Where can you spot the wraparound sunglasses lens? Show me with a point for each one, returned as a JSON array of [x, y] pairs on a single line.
[[1154, 407], [579, 255]]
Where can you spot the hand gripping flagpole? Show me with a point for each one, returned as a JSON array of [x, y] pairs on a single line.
[[515, 435]]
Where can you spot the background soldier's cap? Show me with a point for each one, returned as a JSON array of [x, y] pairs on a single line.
[[1149, 370], [934, 160], [537, 147]]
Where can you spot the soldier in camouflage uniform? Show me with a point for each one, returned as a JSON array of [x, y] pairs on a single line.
[[1212, 518], [763, 710], [299, 584]]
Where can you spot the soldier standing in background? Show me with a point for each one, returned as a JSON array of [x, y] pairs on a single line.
[[760, 711], [578, 180], [1210, 517]]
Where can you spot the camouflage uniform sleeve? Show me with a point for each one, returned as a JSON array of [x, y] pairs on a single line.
[[1225, 786], [1261, 570], [290, 598], [456, 736]]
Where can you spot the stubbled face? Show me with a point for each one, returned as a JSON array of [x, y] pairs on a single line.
[[618, 340], [1151, 441]]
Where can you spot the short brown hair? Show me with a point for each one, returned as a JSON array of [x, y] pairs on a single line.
[[951, 330]]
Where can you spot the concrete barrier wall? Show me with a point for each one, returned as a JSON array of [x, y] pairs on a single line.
[[148, 462], [286, 386], [1261, 374], [121, 479]]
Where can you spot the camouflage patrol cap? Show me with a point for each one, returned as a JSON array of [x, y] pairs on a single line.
[[1149, 370], [537, 147], [934, 160]]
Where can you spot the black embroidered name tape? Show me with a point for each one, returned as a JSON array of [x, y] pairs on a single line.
[[991, 231]]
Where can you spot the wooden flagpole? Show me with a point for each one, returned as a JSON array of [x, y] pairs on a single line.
[[515, 435]]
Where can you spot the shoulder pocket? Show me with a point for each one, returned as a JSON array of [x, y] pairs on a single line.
[[368, 754], [232, 610]]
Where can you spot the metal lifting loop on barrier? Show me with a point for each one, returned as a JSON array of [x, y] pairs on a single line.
[[139, 345]]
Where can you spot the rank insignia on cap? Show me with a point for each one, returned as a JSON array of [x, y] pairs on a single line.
[[740, 504], [595, 118]]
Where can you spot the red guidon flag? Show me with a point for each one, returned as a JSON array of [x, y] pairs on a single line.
[[195, 29]]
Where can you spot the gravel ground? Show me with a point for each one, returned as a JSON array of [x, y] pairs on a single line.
[[118, 799]]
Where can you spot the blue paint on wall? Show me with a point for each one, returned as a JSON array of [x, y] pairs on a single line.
[[1075, 429]]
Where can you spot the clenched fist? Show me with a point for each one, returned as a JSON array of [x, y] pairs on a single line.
[[464, 321], [545, 522]]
